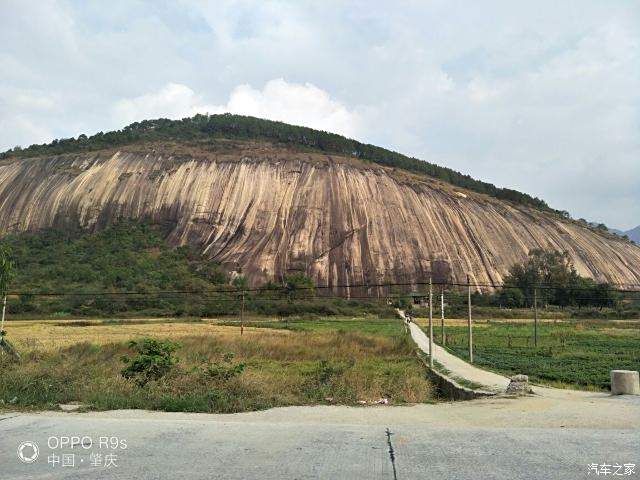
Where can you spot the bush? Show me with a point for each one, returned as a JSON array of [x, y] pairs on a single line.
[[512, 298], [154, 360], [225, 370]]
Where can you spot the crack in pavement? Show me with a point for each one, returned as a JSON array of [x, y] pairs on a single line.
[[392, 454]]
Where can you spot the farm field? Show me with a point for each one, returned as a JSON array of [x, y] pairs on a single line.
[[217, 370], [294, 361], [388, 327], [570, 353], [52, 335]]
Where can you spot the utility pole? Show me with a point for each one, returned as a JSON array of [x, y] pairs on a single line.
[[430, 324], [535, 317], [4, 308], [444, 337], [242, 315], [469, 321]]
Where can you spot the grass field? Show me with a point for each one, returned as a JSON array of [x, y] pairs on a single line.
[[50, 335], [324, 362], [388, 327], [295, 361], [570, 353]]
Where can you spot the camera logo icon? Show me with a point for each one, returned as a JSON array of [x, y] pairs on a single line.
[[28, 452]]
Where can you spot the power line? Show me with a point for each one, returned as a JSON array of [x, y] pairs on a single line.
[[284, 291]]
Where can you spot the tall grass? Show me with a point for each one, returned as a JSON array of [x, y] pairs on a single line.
[[297, 369]]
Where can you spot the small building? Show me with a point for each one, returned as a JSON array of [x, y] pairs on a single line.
[[420, 299]]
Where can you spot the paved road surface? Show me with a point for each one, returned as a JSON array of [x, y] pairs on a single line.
[[531, 438]]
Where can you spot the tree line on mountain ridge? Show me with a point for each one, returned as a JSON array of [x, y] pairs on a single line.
[[203, 127]]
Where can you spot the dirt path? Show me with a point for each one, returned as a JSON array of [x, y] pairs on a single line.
[[458, 368]]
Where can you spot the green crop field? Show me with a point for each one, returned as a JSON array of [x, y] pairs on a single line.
[[371, 325], [577, 354]]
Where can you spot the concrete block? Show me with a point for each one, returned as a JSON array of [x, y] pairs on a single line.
[[625, 382], [519, 385]]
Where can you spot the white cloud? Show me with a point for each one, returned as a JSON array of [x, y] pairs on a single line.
[[21, 114], [23, 131], [298, 104], [174, 100], [539, 96]]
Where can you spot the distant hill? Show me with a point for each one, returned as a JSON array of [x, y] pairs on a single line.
[[634, 234]]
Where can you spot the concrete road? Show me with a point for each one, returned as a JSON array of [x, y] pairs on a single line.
[[532, 438], [458, 367]]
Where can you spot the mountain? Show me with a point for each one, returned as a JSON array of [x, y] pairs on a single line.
[[270, 199], [202, 129], [634, 234]]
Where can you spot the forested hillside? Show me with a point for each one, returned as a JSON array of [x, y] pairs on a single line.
[[128, 257], [130, 269]]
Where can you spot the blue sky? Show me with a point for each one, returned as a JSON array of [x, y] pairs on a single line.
[[539, 96]]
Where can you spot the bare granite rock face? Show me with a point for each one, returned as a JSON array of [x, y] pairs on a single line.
[[268, 211]]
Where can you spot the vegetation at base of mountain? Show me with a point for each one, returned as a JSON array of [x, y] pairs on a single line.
[[561, 293], [202, 128], [127, 270], [7, 269], [552, 276], [127, 257]]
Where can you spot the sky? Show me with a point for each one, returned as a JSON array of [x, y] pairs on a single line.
[[542, 96]]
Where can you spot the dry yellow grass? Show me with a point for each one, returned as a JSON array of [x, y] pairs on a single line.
[[29, 335], [81, 361], [623, 332]]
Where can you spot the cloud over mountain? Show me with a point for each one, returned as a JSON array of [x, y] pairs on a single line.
[[298, 104], [538, 96]]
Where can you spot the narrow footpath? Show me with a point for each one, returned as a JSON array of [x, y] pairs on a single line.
[[459, 368], [493, 382]]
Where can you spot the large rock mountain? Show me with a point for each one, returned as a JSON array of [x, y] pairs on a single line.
[[269, 210]]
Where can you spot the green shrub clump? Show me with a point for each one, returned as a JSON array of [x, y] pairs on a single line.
[[153, 360]]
